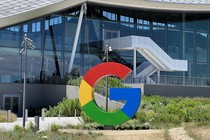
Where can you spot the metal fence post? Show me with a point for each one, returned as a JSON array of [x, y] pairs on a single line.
[[75, 113], [36, 119], [26, 115], [43, 114], [9, 117], [59, 114]]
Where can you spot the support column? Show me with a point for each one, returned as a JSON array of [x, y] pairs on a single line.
[[158, 78], [82, 12], [183, 45], [134, 63]]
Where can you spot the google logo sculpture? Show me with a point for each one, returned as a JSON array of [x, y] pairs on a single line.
[[132, 96]]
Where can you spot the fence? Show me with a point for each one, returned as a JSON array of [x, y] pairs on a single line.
[[170, 80]]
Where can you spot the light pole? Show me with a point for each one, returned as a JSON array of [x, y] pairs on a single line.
[[27, 42], [107, 50]]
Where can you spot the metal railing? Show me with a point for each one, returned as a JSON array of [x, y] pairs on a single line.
[[164, 80], [170, 80]]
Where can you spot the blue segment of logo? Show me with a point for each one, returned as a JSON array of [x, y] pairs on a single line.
[[132, 96]]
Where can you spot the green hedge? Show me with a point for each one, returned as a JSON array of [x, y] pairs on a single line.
[[67, 108]]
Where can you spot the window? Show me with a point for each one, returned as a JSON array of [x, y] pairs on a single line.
[[109, 15], [126, 19], [174, 43], [36, 27], [201, 47], [144, 22], [189, 45]]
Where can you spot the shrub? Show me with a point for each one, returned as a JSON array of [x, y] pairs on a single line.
[[3, 116], [31, 127], [85, 118], [113, 82], [18, 128], [55, 127], [67, 108], [74, 81], [173, 111], [34, 111]]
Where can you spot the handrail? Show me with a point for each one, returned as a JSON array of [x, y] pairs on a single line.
[[150, 50], [170, 80]]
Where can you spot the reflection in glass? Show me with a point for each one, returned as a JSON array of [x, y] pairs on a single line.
[[34, 64], [109, 15], [7, 105], [70, 30], [189, 45], [9, 37], [110, 27], [10, 65], [143, 31], [159, 37], [159, 19], [78, 66], [202, 44], [202, 71], [127, 29], [174, 43], [15, 105], [53, 33], [33, 30], [203, 22], [190, 21], [53, 64], [174, 20]]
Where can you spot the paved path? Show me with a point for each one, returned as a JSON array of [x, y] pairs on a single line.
[[179, 134], [43, 125], [122, 134]]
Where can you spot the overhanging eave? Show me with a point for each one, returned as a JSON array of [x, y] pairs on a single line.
[[25, 16]]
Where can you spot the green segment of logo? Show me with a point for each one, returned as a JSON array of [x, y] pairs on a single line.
[[106, 118]]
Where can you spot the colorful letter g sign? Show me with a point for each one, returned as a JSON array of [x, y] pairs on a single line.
[[132, 96]]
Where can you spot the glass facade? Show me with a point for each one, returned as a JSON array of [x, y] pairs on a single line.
[[181, 35]]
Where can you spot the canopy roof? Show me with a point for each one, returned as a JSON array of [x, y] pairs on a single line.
[[184, 1], [16, 11], [13, 7]]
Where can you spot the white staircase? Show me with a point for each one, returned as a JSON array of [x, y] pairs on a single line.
[[145, 70], [160, 60]]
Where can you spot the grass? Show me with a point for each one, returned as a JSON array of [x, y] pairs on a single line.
[[3, 116]]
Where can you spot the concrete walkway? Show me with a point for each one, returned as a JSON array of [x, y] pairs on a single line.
[[43, 125]]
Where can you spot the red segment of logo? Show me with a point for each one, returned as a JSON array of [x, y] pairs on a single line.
[[106, 69]]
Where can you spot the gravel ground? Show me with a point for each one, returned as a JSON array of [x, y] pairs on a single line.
[[179, 134], [174, 133], [203, 133], [43, 125]]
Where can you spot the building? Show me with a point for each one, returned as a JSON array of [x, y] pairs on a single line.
[[180, 28]]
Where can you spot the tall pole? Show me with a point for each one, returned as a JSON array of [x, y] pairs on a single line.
[[107, 84], [24, 83], [27, 42]]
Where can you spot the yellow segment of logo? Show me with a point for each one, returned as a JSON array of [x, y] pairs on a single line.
[[85, 88]]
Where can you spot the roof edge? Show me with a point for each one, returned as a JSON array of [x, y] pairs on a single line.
[[22, 17], [157, 6], [136, 4]]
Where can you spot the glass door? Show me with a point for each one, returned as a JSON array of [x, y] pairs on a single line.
[[11, 102], [109, 34]]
